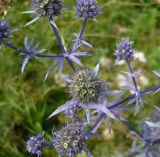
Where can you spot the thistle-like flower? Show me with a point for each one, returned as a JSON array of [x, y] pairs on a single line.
[[35, 144], [70, 140], [89, 91], [46, 8], [124, 50], [86, 86], [4, 31], [87, 8]]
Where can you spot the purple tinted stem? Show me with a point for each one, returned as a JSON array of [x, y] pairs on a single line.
[[57, 35], [83, 28], [60, 43], [132, 74], [13, 47], [28, 53], [147, 91], [71, 64], [81, 33], [102, 116]]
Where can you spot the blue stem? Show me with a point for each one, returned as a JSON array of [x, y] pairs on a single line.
[[80, 35], [60, 43], [133, 77], [21, 51], [102, 116], [57, 35]]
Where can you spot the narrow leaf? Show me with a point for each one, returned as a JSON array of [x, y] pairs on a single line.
[[81, 54], [87, 44], [32, 21], [76, 60], [24, 64], [28, 12], [50, 70], [154, 125], [96, 69], [61, 108]]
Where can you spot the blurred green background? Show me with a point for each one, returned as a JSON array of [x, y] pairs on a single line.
[[26, 101]]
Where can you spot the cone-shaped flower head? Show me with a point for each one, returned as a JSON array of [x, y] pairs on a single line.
[[69, 140], [47, 8], [35, 144], [86, 86], [124, 50], [4, 31], [87, 8]]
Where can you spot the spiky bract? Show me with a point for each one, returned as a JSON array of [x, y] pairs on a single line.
[[47, 8], [86, 86]]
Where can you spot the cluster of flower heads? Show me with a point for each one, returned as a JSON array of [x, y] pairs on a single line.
[[68, 141], [87, 8], [87, 90]]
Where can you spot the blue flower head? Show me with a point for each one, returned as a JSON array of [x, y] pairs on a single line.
[[4, 31], [46, 8], [124, 50], [88, 91], [86, 86], [35, 144], [70, 140], [87, 8]]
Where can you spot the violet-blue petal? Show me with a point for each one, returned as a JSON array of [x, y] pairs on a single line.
[[26, 43], [96, 69], [109, 125], [32, 21], [51, 69], [103, 109], [152, 124], [87, 44], [24, 64], [61, 109], [60, 65], [28, 12], [81, 54], [75, 59]]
